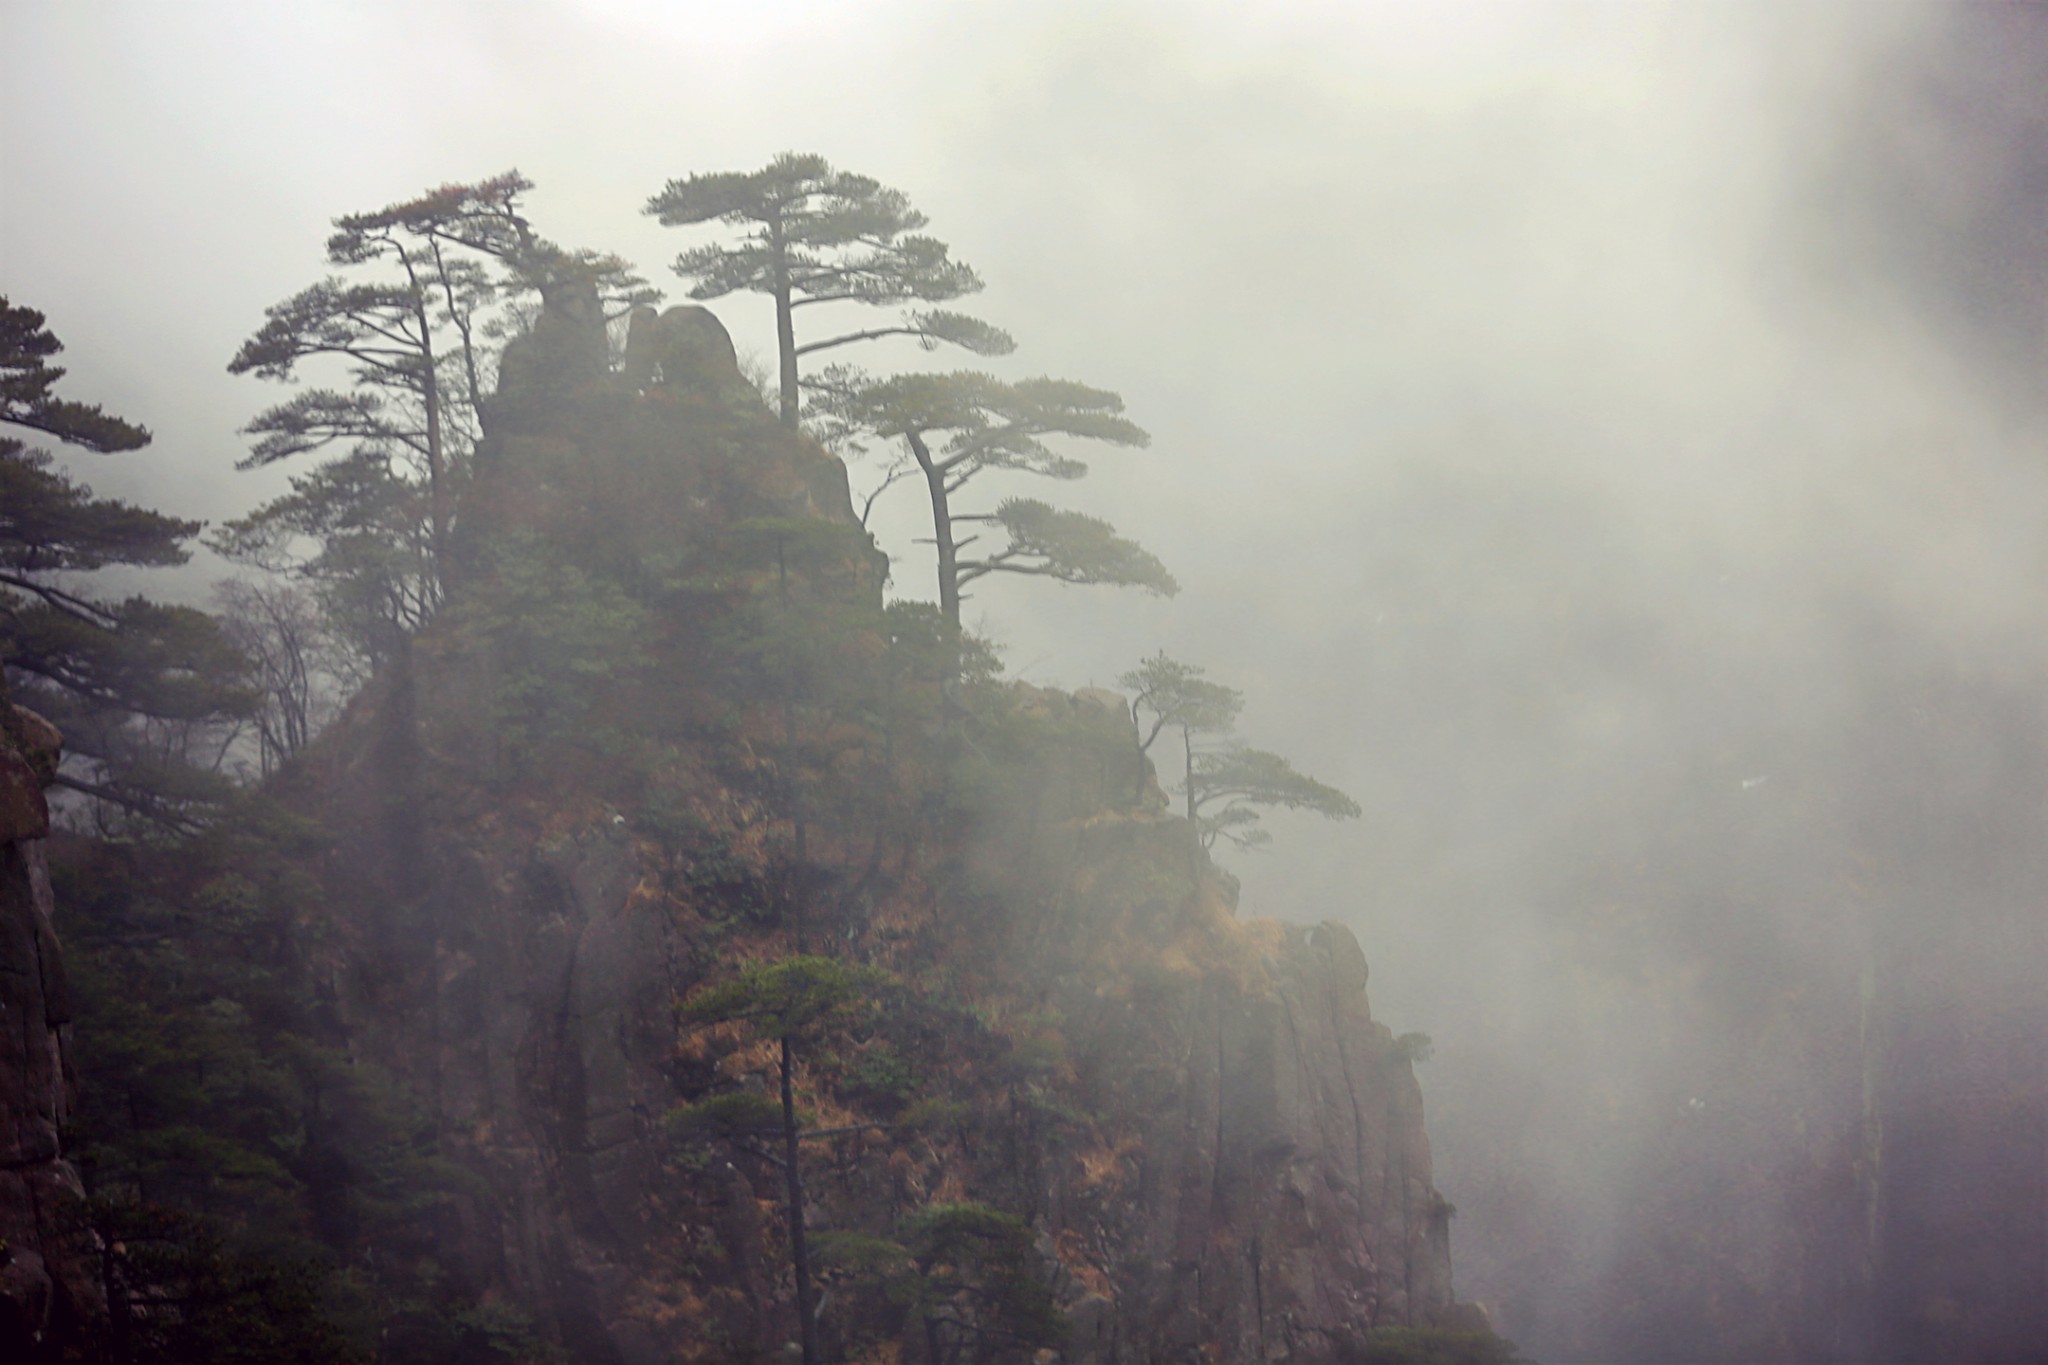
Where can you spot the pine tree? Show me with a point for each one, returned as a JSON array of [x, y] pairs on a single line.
[[416, 344], [974, 1284], [1223, 787], [958, 427], [1178, 697], [788, 1001], [823, 236], [1226, 786], [143, 692]]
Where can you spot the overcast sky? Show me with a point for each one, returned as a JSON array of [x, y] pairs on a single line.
[[1565, 253], [1531, 385]]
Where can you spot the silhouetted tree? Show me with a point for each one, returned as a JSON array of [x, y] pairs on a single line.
[[415, 343], [139, 688], [293, 662], [1178, 697], [26, 379], [823, 236], [960, 426], [1223, 787], [1226, 786]]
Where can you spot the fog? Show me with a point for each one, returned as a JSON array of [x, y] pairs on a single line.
[[1607, 440]]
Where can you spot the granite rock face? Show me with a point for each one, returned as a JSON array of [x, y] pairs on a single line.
[[1272, 1198], [1285, 1191], [49, 1289]]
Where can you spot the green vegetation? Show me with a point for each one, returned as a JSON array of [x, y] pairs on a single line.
[[586, 613], [259, 1195], [959, 427], [964, 1274], [973, 1284], [177, 1293], [820, 236], [1223, 786], [1177, 696], [556, 635], [1226, 786], [1414, 1048], [26, 378], [787, 1001], [414, 340], [147, 694]]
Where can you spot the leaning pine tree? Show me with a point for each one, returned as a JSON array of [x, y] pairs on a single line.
[[1226, 783], [959, 427]]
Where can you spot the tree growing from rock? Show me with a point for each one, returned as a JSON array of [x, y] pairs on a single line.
[[415, 341], [789, 1001], [400, 336], [1177, 697], [145, 693], [818, 236], [1225, 786], [963, 426]]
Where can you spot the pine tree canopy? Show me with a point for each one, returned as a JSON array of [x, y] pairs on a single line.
[[823, 236], [25, 383], [372, 324], [989, 423], [786, 997], [1240, 778], [838, 236], [1050, 543], [136, 686], [1178, 694]]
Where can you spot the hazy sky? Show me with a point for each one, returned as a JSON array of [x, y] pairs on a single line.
[[1525, 253], [1540, 393]]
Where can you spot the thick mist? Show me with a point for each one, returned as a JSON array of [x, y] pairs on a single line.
[[1605, 440]]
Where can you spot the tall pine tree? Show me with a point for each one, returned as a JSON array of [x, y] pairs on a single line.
[[960, 427], [818, 236], [145, 693]]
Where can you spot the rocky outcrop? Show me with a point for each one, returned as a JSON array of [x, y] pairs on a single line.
[[1218, 1153], [1273, 1199], [49, 1296]]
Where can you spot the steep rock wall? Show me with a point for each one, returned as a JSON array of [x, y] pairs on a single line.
[[1277, 1196], [49, 1296]]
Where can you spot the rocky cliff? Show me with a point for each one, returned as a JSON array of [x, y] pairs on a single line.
[[668, 730], [49, 1298]]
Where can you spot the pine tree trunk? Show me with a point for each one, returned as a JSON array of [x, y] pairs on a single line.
[[942, 528], [437, 482], [799, 1251], [785, 323]]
